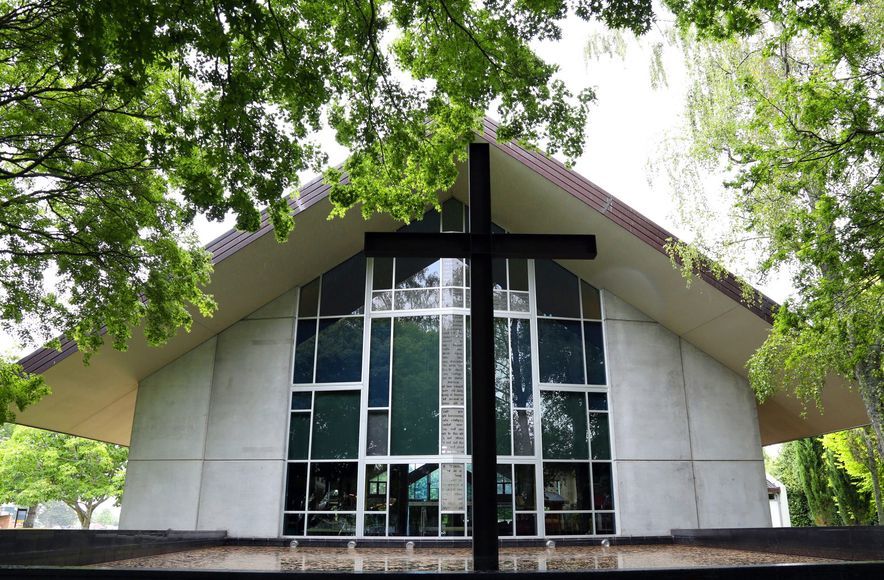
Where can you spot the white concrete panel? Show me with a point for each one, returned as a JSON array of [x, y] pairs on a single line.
[[249, 408], [655, 497], [173, 407], [281, 307], [721, 408], [242, 497], [732, 494], [161, 495], [617, 309], [647, 392]]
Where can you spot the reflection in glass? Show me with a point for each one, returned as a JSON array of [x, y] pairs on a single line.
[[452, 216], [293, 525], [375, 525], [416, 299], [382, 274], [382, 301], [301, 401], [452, 298], [520, 337], [452, 272], [453, 524], [525, 496], [414, 500], [414, 424], [308, 302], [519, 302], [498, 274], [299, 435], [331, 525], [526, 525], [339, 353], [598, 402], [563, 417], [505, 500], [566, 486], [343, 288], [518, 274], [335, 425], [561, 351], [603, 491], [599, 436], [523, 432], [568, 524], [604, 524], [305, 348], [502, 385], [595, 353], [296, 487], [557, 293], [375, 488], [333, 486], [417, 273], [377, 433], [379, 363]]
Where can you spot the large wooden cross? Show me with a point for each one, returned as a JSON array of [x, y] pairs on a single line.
[[480, 245]]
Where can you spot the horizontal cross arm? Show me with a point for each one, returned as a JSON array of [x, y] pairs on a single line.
[[455, 245], [416, 245], [550, 246]]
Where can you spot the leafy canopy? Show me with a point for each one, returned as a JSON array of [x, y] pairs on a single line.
[[39, 466], [122, 121]]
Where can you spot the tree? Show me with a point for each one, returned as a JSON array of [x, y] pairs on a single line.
[[853, 504], [56, 515], [119, 122], [815, 482], [786, 468], [787, 100], [39, 466], [856, 451]]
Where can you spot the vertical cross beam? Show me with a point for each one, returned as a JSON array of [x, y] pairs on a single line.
[[485, 548]]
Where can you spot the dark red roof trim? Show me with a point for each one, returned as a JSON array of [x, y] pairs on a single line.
[[592, 195]]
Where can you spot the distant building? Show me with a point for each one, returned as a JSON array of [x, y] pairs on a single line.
[[779, 503], [12, 516], [328, 396]]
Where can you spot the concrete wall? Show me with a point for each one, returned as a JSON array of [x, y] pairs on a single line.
[[208, 439], [685, 432]]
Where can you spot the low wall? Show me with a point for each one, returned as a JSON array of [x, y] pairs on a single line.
[[856, 543], [78, 547]]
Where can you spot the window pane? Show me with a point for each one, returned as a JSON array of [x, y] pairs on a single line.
[[417, 272], [592, 306], [382, 274], [429, 223], [417, 299], [505, 500], [526, 525], [377, 433], [599, 436], [523, 432], [595, 353], [333, 487], [302, 401], [525, 494], [414, 421], [452, 216], [376, 488], [568, 524], [564, 425], [343, 288], [452, 371], [498, 274], [379, 363], [293, 525], [382, 301], [339, 355], [561, 351], [557, 293], [376, 525], [299, 435], [305, 348], [602, 490], [414, 500], [520, 337], [566, 486], [604, 524], [296, 487], [519, 274], [335, 425], [502, 385], [452, 272], [453, 525], [598, 402], [331, 525], [309, 299]]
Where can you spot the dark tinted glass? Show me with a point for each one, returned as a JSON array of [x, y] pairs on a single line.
[[602, 491], [331, 524], [526, 525], [604, 524], [523, 432], [519, 274], [379, 363], [301, 401], [526, 497], [414, 500], [595, 353], [498, 273], [376, 525], [382, 276], [561, 351], [339, 354], [305, 348], [502, 385], [375, 488], [557, 293], [414, 421], [299, 435], [333, 486], [296, 487], [452, 216], [564, 425], [429, 223], [343, 288], [293, 525], [598, 402], [520, 338], [592, 305], [309, 299], [599, 436], [568, 524], [566, 486], [335, 425], [377, 433], [453, 524]]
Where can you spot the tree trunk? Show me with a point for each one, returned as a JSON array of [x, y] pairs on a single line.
[[32, 517], [872, 392], [873, 469]]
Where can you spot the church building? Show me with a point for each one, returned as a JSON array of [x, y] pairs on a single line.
[[329, 396]]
